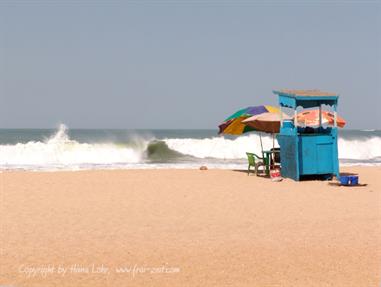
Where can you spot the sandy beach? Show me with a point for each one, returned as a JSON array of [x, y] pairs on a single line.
[[188, 228]]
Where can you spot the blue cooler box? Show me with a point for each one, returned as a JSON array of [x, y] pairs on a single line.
[[349, 180]]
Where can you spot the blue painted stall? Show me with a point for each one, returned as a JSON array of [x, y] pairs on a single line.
[[307, 151]]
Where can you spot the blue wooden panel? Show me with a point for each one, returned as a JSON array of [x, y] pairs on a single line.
[[308, 156], [313, 103], [319, 99], [288, 128], [289, 156], [287, 102], [325, 157], [335, 156], [316, 154]]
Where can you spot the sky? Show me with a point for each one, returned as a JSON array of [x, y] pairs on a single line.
[[182, 64]]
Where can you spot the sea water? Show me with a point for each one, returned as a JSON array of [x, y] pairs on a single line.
[[75, 149]]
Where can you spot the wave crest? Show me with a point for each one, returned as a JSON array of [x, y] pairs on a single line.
[[59, 151], [220, 147], [361, 149]]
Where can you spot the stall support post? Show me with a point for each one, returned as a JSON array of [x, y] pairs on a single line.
[[335, 116]]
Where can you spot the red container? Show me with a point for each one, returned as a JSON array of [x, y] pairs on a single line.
[[275, 175]]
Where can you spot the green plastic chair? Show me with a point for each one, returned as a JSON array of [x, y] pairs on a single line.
[[256, 162]]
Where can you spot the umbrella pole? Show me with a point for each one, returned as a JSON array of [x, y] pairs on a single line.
[[273, 153], [260, 137], [273, 141]]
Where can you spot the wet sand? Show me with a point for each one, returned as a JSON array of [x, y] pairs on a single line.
[[187, 228]]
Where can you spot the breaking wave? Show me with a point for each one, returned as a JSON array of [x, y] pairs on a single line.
[[61, 152], [220, 147], [360, 149], [367, 149]]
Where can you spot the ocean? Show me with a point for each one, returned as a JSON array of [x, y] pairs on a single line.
[[77, 149]]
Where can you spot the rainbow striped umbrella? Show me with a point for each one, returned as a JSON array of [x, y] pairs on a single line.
[[233, 125]]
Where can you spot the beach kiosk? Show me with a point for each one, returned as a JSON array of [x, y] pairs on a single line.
[[307, 151]]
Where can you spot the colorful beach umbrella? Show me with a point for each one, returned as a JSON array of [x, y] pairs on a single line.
[[266, 122], [311, 118], [233, 125]]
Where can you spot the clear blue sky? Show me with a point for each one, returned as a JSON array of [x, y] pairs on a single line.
[[188, 64]]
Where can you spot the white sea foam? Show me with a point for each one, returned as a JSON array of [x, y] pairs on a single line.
[[61, 152], [360, 149], [220, 147]]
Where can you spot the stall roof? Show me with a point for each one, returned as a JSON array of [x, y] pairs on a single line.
[[305, 98], [306, 93]]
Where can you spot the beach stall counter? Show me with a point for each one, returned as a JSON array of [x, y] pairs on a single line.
[[308, 151]]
